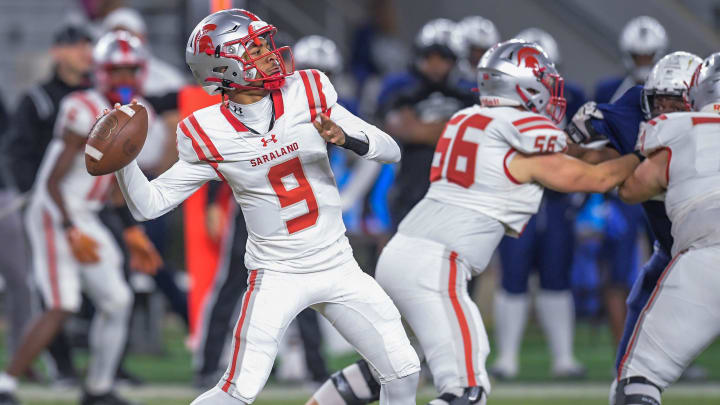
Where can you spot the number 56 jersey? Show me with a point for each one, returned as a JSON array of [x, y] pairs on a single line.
[[281, 178], [469, 168]]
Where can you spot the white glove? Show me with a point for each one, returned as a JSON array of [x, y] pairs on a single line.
[[580, 129]]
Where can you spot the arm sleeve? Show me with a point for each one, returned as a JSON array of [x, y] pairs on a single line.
[[151, 199], [381, 147]]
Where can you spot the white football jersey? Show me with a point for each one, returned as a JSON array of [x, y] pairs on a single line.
[[692, 200], [469, 168], [80, 191], [281, 178]]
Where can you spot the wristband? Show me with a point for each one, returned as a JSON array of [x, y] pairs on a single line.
[[356, 145], [639, 155]]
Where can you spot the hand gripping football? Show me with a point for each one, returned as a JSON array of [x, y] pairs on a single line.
[[116, 139]]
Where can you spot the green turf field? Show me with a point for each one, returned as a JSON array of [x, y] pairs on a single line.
[[171, 373]]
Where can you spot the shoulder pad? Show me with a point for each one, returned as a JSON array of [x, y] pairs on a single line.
[[193, 142], [314, 88], [533, 133], [79, 111], [661, 130]]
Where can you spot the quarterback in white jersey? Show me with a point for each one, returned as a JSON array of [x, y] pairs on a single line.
[[72, 250], [269, 143], [682, 316], [487, 178]]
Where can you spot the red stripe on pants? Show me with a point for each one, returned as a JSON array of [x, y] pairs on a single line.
[[642, 315], [464, 329], [52, 259], [238, 330]]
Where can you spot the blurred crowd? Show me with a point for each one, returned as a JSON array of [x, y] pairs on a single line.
[[583, 250]]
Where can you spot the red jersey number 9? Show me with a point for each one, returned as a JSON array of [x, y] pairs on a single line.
[[460, 148], [303, 192]]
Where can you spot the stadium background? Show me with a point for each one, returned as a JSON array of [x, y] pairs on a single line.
[[586, 33]]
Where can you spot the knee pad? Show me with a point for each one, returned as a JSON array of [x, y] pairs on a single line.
[[471, 396], [637, 391], [355, 384]]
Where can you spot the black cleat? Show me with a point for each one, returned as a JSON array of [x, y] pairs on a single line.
[[108, 398]]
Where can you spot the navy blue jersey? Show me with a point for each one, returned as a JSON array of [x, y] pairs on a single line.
[[621, 125]]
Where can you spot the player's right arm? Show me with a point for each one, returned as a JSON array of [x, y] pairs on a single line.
[[151, 199], [567, 174]]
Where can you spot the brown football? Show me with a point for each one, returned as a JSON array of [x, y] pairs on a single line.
[[116, 139]]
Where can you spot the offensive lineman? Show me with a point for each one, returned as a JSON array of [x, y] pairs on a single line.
[[664, 92], [487, 179], [264, 142], [681, 318], [72, 249]]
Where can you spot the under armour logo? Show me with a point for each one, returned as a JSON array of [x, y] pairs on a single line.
[[265, 141]]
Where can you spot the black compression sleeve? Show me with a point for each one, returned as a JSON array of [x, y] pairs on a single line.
[[356, 145]]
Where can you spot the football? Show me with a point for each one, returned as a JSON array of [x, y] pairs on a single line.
[[116, 139]]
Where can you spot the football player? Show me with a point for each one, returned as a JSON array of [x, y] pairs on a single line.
[[487, 178], [475, 35], [268, 140], [619, 123], [642, 42], [72, 250], [546, 245], [415, 105], [681, 318]]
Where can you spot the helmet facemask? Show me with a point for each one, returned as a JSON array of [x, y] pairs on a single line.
[[243, 52], [249, 58], [554, 91]]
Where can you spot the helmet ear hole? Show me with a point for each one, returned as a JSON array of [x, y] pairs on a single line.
[[220, 69]]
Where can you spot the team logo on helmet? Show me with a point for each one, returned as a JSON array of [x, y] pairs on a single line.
[[527, 56], [203, 42]]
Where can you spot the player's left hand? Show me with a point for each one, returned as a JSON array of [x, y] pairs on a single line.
[[143, 255], [106, 111], [329, 130]]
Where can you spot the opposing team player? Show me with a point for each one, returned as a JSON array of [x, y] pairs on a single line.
[[619, 123], [487, 178], [681, 318], [73, 251], [269, 142]]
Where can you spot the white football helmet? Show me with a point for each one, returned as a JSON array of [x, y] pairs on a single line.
[[704, 87], [519, 73], [477, 32], [439, 35], [217, 52], [317, 52], [642, 36], [120, 49], [544, 39], [670, 76]]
